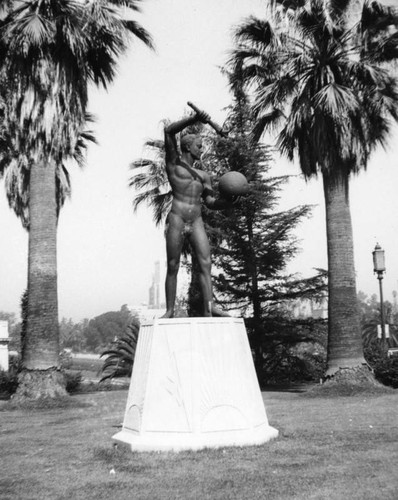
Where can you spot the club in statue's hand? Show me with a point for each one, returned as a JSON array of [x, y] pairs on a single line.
[[207, 119]]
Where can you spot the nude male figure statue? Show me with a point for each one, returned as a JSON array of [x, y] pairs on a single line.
[[189, 186]]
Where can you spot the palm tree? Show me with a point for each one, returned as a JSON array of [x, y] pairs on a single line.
[[51, 50], [327, 89], [15, 166], [149, 180]]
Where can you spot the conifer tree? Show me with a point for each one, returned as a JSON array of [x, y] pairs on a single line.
[[253, 242]]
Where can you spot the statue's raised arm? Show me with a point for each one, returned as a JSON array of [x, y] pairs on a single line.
[[171, 130]]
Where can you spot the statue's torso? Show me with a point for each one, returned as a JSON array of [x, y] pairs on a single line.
[[187, 187]]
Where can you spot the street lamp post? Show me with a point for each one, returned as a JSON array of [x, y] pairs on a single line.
[[379, 267]]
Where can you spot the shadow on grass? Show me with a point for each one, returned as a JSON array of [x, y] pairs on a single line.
[[290, 388]]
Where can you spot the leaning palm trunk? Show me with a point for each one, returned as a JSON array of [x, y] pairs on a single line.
[[40, 377], [345, 341]]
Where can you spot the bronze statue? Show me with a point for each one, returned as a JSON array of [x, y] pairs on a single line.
[[189, 186]]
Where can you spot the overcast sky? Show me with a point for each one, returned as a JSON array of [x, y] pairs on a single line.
[[106, 253]]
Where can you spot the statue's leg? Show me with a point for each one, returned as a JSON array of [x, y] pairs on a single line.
[[201, 247], [174, 241]]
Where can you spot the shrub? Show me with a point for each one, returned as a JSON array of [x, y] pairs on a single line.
[[9, 379], [289, 350], [386, 371], [385, 368], [8, 382], [285, 365], [73, 381]]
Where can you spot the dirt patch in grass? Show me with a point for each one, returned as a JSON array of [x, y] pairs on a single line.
[[42, 404], [334, 390], [349, 382]]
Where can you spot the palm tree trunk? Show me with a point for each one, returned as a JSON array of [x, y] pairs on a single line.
[[345, 348], [40, 377]]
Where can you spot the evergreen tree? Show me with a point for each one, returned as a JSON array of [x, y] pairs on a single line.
[[252, 243]]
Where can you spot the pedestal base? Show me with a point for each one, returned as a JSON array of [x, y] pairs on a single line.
[[194, 386]]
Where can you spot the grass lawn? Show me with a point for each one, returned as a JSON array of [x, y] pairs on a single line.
[[88, 367], [343, 448]]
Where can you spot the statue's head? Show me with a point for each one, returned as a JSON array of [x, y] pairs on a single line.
[[187, 140], [192, 143]]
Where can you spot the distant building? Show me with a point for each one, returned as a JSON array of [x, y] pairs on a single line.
[[146, 313], [308, 308], [154, 290], [156, 305]]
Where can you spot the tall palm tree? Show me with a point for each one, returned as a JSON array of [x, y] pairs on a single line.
[[325, 86], [51, 50]]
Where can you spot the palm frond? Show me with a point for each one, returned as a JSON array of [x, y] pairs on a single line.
[[139, 32], [336, 100], [254, 31], [155, 144], [266, 122], [120, 357]]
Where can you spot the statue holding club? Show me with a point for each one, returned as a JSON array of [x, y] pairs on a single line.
[[190, 186]]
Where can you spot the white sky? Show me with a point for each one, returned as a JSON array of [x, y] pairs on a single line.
[[106, 253]]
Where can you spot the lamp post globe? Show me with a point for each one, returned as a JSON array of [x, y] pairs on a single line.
[[379, 265]]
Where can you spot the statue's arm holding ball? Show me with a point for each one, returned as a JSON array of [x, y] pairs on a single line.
[[210, 199]]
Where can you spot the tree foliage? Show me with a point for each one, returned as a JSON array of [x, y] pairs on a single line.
[[323, 85], [49, 53], [330, 107], [119, 359], [150, 183], [72, 335], [105, 328], [253, 242]]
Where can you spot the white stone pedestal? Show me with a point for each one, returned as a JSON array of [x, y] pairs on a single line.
[[194, 386]]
